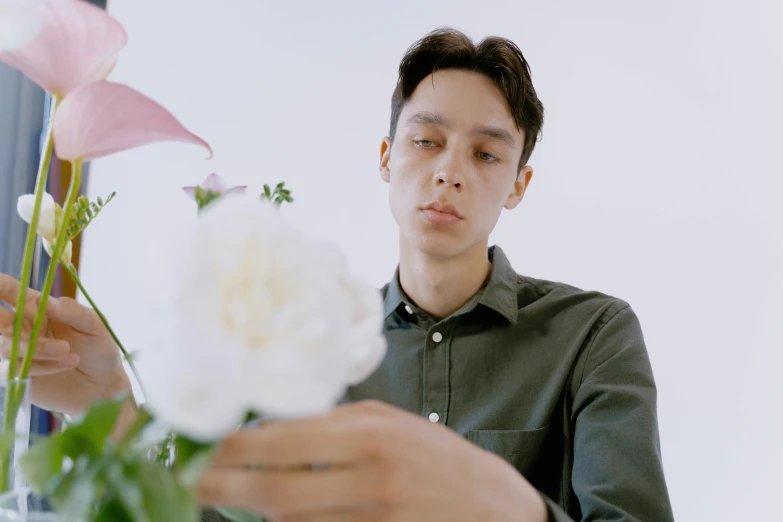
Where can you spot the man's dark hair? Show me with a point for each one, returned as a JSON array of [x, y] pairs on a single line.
[[497, 58]]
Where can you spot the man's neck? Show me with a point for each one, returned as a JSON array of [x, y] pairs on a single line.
[[441, 286]]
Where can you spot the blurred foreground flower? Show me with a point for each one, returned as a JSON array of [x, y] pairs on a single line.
[[261, 321], [76, 43], [20, 22], [49, 221]]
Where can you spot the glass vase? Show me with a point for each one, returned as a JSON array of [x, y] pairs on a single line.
[[22, 505], [14, 393], [18, 503]]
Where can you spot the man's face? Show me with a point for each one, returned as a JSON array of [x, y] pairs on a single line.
[[453, 165]]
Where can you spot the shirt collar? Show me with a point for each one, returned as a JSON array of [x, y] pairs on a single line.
[[394, 294], [498, 294]]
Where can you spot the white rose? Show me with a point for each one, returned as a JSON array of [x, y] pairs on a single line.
[[260, 320], [48, 219]]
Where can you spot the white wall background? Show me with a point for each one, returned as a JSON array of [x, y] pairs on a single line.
[[657, 179]]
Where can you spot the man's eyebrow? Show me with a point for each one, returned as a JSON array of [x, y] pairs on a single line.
[[433, 118], [427, 118], [496, 133]]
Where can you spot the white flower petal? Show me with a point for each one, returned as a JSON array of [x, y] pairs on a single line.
[[25, 206], [295, 395], [279, 321], [67, 253], [192, 391], [20, 23]]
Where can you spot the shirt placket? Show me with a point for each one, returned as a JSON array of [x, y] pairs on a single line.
[[436, 374]]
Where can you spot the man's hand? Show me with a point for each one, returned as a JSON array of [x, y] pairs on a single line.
[[365, 462], [76, 362]]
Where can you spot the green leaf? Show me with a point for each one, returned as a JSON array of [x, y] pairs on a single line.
[[186, 448], [164, 499], [42, 463], [113, 511], [251, 419], [74, 494], [123, 484], [90, 435], [191, 459], [237, 515], [144, 434]]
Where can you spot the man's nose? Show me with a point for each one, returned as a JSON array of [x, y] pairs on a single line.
[[450, 173]]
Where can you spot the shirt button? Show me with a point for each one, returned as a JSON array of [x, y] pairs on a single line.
[[434, 417], [409, 309], [437, 337]]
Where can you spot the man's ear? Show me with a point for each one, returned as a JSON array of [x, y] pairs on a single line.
[[519, 188], [386, 145]]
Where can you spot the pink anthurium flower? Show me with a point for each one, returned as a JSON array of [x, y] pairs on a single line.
[[103, 118], [214, 184], [78, 43]]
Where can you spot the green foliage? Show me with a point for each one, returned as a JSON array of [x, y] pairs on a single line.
[[85, 212], [87, 476], [278, 196], [205, 197]]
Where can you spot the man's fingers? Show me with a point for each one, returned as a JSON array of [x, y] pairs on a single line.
[[283, 494], [6, 318], [63, 309], [336, 516], [47, 349], [330, 440], [70, 312], [40, 368], [8, 289]]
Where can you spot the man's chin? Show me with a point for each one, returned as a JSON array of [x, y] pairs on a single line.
[[439, 245]]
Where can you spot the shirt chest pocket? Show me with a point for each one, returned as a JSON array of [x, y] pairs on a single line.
[[520, 448]]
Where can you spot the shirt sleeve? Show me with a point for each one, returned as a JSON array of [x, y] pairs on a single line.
[[617, 470]]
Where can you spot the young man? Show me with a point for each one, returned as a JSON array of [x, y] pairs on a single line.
[[502, 397]]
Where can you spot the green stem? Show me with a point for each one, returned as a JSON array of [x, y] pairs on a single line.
[[141, 420], [31, 240], [59, 248], [12, 402], [75, 277]]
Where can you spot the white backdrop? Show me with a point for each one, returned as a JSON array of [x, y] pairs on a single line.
[[656, 180]]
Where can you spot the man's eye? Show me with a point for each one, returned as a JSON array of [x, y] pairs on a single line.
[[486, 157], [424, 143]]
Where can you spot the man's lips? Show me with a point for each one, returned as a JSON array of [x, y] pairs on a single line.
[[441, 214], [443, 208]]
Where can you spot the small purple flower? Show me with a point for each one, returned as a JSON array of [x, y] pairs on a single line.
[[214, 184]]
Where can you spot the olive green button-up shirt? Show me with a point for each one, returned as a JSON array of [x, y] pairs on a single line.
[[554, 379]]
